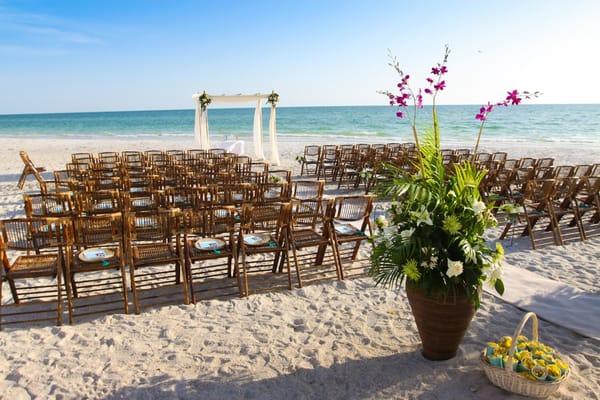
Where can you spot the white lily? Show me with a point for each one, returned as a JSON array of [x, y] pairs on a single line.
[[407, 234], [455, 268], [422, 217], [478, 207]]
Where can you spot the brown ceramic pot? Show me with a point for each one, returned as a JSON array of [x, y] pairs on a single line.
[[441, 321]]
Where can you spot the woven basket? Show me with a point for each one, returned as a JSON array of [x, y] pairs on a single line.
[[511, 381]]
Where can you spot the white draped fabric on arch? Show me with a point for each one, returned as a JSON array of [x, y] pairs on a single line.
[[202, 100]]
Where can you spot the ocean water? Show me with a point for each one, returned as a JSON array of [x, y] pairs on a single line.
[[525, 123]]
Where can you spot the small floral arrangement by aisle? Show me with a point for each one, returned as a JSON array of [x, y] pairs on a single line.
[[532, 360], [433, 234]]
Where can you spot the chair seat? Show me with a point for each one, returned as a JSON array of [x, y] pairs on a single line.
[[196, 254], [33, 265], [307, 237], [113, 262], [271, 246], [154, 253]]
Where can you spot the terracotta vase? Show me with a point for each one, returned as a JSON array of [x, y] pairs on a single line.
[[441, 321]]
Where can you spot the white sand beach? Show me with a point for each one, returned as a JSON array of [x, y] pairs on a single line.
[[333, 340]]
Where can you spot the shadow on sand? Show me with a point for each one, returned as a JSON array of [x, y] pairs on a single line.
[[395, 376]]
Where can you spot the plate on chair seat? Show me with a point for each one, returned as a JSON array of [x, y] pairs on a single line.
[[345, 229], [209, 244], [96, 254], [256, 239]]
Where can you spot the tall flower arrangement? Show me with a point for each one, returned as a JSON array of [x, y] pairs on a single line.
[[433, 236]]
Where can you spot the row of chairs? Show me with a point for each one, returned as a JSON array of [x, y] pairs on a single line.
[[137, 244], [550, 202], [355, 164]]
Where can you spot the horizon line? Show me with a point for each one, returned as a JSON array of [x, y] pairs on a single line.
[[290, 106]]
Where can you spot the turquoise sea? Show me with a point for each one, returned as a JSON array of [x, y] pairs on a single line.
[[526, 123]]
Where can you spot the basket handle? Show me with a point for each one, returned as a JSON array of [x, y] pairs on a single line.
[[513, 346]]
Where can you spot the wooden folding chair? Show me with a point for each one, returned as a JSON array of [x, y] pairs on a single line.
[[153, 240], [309, 228], [536, 206], [563, 203], [48, 205], [98, 232], [31, 169], [307, 190], [47, 238], [310, 160], [210, 236], [327, 162], [263, 232], [343, 212], [587, 200]]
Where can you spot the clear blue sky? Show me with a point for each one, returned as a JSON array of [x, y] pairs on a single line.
[[128, 55]]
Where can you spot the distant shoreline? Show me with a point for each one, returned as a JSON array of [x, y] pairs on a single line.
[[217, 107]]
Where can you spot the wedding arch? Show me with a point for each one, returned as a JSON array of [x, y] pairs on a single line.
[[202, 100]]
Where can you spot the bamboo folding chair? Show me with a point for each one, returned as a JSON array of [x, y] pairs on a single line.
[[132, 159], [185, 198], [263, 232], [108, 157], [393, 149], [153, 240], [499, 159], [563, 171], [176, 155], [279, 176], [527, 162], [363, 147], [307, 190], [98, 232], [46, 237], [97, 203], [327, 162], [342, 212], [500, 189], [272, 193], [48, 205], [511, 164], [142, 201], [61, 180], [535, 206], [31, 169], [210, 236], [579, 171], [309, 228], [235, 194], [544, 162], [587, 200], [349, 168], [483, 159], [563, 203], [83, 158], [310, 160]]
